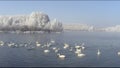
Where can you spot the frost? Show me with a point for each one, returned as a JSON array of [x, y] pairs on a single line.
[[113, 29], [80, 27], [36, 21]]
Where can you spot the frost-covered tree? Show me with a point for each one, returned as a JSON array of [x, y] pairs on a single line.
[[35, 21]]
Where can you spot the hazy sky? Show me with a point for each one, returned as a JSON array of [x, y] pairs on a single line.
[[98, 13]]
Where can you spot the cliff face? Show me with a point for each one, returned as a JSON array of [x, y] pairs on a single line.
[[36, 21]]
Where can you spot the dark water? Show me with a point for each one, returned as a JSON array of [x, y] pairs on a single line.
[[107, 42]]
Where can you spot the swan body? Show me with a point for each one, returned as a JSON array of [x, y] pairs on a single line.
[[1, 43], [38, 45], [48, 44], [78, 51], [46, 51], [77, 46], [66, 46], [11, 44], [61, 56], [118, 53], [52, 41], [56, 51], [82, 47], [80, 55], [54, 48], [98, 53]]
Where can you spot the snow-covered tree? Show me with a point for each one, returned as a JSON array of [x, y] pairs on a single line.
[[34, 21]]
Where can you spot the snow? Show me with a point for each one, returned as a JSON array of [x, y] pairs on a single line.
[[36, 21], [85, 27], [80, 27], [113, 29]]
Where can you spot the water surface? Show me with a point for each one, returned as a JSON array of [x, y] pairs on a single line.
[[107, 42]]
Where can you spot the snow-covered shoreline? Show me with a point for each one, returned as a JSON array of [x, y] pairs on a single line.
[[90, 28], [38, 22]]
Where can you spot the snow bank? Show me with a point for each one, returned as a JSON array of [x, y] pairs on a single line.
[[36, 21], [113, 29], [81, 27]]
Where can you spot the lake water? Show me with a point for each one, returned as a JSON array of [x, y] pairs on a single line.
[[107, 42]]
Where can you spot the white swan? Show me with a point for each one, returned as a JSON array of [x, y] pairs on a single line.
[[42, 46], [1, 43], [11, 44], [56, 51], [26, 45], [82, 46], [78, 51], [45, 45], [118, 53], [38, 44], [54, 48], [61, 56], [98, 53], [46, 51], [77, 46], [52, 41], [65, 46], [80, 55], [48, 44]]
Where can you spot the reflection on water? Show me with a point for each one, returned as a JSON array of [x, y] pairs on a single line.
[[67, 49]]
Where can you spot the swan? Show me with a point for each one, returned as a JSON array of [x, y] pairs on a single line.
[[1, 43], [11, 44], [78, 51], [48, 44], [42, 46], [54, 48], [83, 47], [80, 55], [83, 44], [38, 44], [21, 45], [16, 45], [52, 41], [46, 51], [65, 46], [118, 53], [98, 53], [57, 50], [77, 46], [61, 56], [25, 45]]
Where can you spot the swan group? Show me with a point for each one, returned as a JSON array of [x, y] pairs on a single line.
[[48, 47]]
